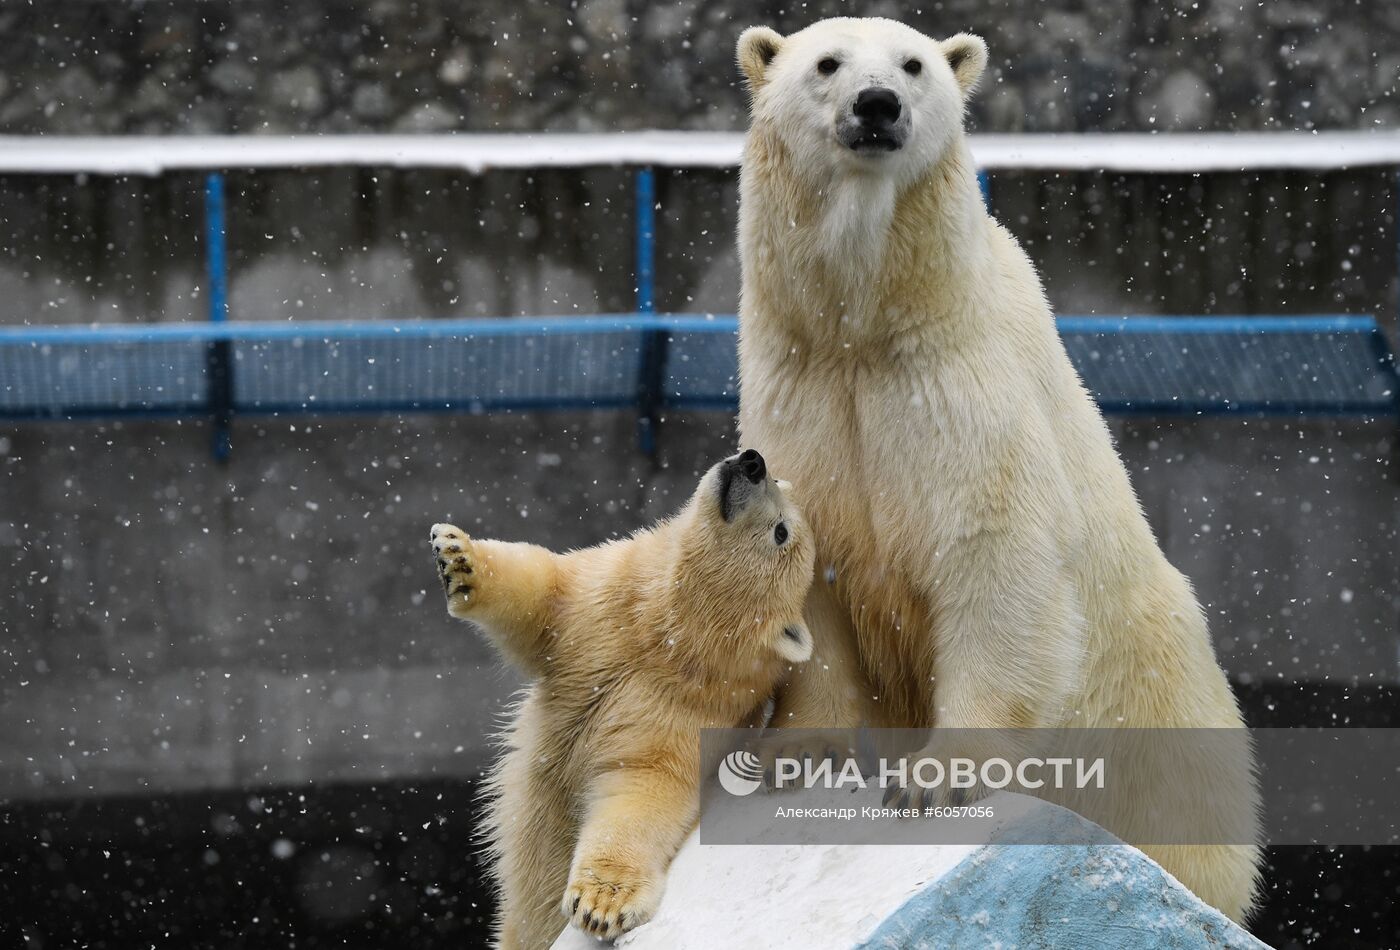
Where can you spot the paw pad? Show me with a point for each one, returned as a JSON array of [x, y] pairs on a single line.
[[451, 548]]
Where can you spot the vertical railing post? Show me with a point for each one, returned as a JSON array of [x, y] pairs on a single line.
[[652, 365], [646, 240], [219, 355], [1384, 354]]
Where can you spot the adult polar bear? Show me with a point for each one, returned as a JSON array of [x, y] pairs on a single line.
[[996, 569]]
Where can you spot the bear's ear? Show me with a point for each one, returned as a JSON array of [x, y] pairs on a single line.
[[795, 643], [967, 55], [757, 47]]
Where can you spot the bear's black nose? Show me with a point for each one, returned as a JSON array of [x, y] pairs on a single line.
[[877, 106], [751, 466]]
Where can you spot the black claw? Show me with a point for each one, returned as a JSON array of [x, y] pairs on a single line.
[[958, 796], [574, 910], [768, 778], [588, 920]]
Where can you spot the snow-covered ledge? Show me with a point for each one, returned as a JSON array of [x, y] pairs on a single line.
[[912, 896]]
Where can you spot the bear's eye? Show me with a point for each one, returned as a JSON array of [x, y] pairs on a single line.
[[780, 534], [828, 66], [913, 67]]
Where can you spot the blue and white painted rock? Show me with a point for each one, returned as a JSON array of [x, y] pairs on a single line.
[[998, 894]]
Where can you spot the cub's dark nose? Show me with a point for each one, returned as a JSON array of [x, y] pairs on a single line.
[[751, 465], [877, 106], [740, 480]]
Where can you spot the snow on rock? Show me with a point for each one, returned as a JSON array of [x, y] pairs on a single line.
[[781, 896], [1000, 894]]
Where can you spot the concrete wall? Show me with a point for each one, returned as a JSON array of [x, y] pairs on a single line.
[[1288, 532], [172, 623]]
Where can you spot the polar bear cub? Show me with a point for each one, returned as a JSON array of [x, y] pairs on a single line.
[[633, 646]]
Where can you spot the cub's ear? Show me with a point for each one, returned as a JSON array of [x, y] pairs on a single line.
[[757, 47], [967, 55], [795, 643]]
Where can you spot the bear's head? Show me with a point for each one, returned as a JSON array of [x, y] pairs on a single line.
[[746, 562], [862, 96]]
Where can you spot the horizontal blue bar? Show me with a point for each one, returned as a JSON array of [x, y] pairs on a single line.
[[135, 410], [617, 323], [368, 408], [366, 329], [1351, 407], [1313, 323], [467, 406]]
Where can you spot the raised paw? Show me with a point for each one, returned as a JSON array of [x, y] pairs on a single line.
[[453, 550], [608, 903]]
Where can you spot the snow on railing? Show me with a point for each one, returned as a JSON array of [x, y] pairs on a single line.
[[479, 152]]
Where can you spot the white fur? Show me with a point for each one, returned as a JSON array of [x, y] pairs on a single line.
[[898, 358], [807, 110]]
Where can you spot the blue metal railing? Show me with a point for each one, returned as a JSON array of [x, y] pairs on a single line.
[[643, 361], [220, 352], [1140, 365], [654, 340]]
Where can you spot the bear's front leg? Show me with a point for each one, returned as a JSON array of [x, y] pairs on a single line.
[[1010, 639], [826, 693], [506, 588], [636, 821]]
